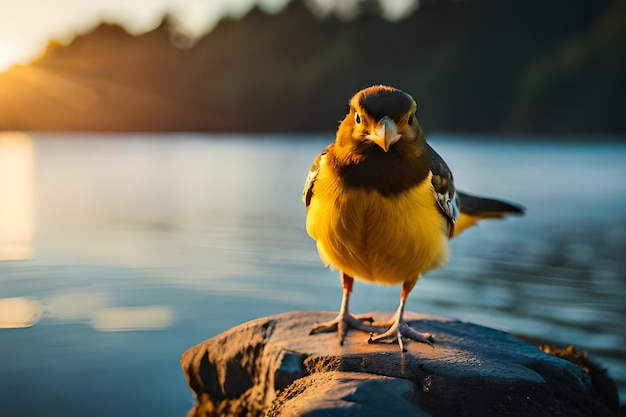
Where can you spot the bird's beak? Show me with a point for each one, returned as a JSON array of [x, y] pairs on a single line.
[[385, 133]]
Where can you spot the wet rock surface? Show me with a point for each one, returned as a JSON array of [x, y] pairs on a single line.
[[272, 366]]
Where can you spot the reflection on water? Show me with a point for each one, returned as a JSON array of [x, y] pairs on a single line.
[[92, 308], [75, 306], [133, 318], [184, 236], [16, 196], [19, 312]]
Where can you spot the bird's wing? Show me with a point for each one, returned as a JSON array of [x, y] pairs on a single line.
[[307, 193], [443, 183]]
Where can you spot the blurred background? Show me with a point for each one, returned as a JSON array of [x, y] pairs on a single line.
[[153, 154], [284, 66]]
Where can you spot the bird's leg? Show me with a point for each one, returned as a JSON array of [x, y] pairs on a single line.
[[345, 319], [397, 327]]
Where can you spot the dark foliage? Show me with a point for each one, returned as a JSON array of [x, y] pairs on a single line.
[[516, 66]]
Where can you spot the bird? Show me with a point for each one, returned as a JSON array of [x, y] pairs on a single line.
[[381, 205]]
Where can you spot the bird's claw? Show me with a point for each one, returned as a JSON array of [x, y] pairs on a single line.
[[342, 323], [397, 331]]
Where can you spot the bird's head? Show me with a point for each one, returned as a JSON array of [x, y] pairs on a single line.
[[380, 116]]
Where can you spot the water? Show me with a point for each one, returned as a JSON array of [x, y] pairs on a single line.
[[121, 251]]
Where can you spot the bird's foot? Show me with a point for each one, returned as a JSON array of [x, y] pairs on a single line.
[[342, 323], [396, 330]]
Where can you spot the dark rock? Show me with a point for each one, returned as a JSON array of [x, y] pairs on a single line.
[[271, 366], [601, 383]]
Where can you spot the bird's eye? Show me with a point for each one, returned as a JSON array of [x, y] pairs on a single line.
[[410, 121], [357, 118]]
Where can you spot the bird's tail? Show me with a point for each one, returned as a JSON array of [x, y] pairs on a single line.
[[474, 209]]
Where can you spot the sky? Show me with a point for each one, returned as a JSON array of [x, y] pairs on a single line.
[[26, 26]]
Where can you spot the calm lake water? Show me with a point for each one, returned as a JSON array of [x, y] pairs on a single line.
[[121, 251]]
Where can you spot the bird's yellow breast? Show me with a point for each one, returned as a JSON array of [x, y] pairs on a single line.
[[388, 240]]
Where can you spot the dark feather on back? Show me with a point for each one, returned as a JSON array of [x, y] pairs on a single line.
[[471, 204]]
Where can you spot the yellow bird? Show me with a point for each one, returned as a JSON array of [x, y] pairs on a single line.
[[381, 205]]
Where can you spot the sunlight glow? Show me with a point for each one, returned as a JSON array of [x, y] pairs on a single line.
[[9, 56], [27, 26], [17, 196]]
